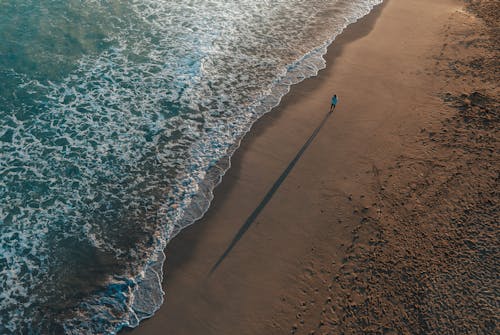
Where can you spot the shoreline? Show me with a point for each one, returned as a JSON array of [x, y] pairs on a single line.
[[226, 162], [274, 279], [182, 244], [352, 32]]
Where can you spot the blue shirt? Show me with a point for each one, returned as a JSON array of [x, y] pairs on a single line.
[[334, 100]]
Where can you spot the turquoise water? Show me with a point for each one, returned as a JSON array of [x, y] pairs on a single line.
[[117, 119]]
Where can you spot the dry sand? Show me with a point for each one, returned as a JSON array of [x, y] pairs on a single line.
[[389, 222]]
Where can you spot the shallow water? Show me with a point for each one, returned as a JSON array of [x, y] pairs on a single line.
[[117, 119]]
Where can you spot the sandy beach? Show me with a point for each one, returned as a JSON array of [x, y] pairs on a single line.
[[388, 224]]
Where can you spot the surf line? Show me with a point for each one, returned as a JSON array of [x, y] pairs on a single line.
[[269, 195]]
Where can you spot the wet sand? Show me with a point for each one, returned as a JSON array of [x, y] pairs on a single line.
[[367, 234]]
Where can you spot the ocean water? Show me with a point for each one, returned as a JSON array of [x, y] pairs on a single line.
[[117, 120]]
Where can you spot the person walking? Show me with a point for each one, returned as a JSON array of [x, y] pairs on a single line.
[[334, 102]]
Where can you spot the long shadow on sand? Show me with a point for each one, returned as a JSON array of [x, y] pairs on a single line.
[[269, 194]]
